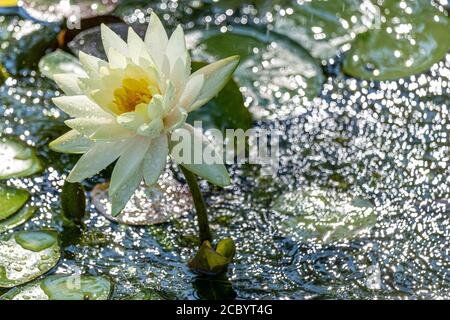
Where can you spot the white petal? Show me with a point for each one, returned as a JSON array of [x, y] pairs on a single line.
[[111, 131], [135, 45], [80, 106], [130, 120], [156, 40], [128, 163], [68, 82], [155, 108], [120, 199], [178, 76], [216, 76], [214, 173], [111, 40], [155, 159], [175, 119], [176, 47], [152, 129], [88, 126], [71, 142], [116, 59], [191, 91], [97, 158], [91, 64], [170, 97]]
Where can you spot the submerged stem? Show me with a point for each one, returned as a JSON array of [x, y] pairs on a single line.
[[199, 203]]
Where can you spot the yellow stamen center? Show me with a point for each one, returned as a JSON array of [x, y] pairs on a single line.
[[132, 93]]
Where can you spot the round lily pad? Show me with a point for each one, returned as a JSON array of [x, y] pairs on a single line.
[[270, 62], [414, 36], [17, 219], [59, 62], [149, 205], [323, 215], [17, 159], [11, 200], [322, 27], [63, 287], [26, 255]]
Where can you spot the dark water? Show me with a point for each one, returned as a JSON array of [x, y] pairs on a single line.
[[386, 142]]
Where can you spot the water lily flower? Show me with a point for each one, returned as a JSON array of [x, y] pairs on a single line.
[[126, 108]]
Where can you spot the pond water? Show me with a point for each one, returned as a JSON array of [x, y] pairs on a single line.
[[359, 207]]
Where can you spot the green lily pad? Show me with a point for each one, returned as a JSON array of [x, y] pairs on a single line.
[[322, 27], [323, 215], [212, 261], [63, 287], [269, 61], [11, 200], [404, 45], [23, 42], [17, 219], [59, 62], [17, 159], [26, 255], [225, 111]]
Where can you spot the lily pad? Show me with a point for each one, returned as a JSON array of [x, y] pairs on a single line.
[[17, 160], [225, 111], [148, 205], [24, 42], [11, 200], [271, 63], [63, 287], [323, 215], [17, 219], [414, 36], [322, 27], [26, 255], [59, 62]]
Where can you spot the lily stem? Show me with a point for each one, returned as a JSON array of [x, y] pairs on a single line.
[[199, 203]]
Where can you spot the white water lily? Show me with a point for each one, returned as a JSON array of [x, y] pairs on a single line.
[[126, 108]]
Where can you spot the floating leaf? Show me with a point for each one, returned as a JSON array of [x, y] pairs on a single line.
[[322, 215], [73, 201], [405, 44], [11, 200], [26, 255], [63, 287], [24, 43], [17, 219], [226, 111], [17, 160], [148, 205], [322, 27], [59, 62], [268, 60], [212, 261]]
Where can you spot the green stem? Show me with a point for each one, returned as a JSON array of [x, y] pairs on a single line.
[[199, 203]]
